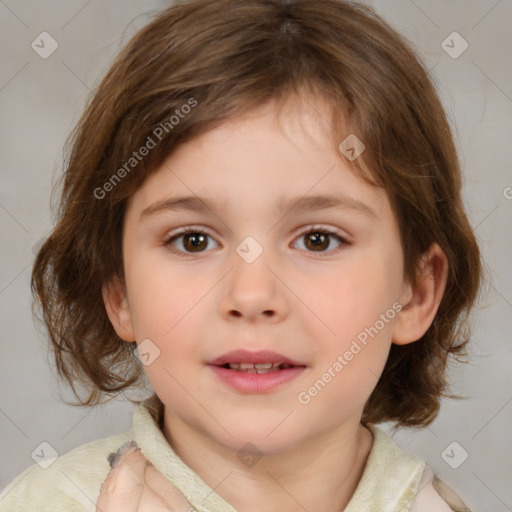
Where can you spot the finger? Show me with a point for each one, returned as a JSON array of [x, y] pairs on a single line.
[[123, 487], [166, 491], [134, 482]]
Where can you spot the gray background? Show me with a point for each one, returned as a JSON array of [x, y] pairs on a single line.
[[40, 101]]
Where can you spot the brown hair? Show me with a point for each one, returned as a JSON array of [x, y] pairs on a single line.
[[225, 57]]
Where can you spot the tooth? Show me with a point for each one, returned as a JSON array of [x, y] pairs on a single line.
[[245, 366], [234, 365], [263, 365], [263, 370]]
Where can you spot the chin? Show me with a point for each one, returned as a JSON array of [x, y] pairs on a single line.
[[269, 436]]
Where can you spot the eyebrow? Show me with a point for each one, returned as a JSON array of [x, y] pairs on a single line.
[[205, 204]]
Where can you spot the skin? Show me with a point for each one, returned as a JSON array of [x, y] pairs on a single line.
[[306, 303], [134, 484]]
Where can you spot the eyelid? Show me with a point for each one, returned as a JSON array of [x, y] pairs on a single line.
[[320, 227], [188, 229]]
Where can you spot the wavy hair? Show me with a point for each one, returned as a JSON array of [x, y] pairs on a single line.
[[230, 56]]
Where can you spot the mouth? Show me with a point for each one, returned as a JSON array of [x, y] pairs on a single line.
[[262, 361], [255, 372], [256, 367]]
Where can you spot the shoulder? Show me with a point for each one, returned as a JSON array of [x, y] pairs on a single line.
[[71, 483], [395, 479], [433, 493]]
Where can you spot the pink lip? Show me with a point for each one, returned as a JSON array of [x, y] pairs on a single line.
[[254, 383], [244, 356]]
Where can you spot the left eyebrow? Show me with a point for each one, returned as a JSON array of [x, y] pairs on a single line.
[[205, 204], [323, 202]]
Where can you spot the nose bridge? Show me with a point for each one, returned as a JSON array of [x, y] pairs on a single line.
[[253, 288], [251, 275]]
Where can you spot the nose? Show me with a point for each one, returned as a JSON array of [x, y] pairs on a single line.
[[254, 291]]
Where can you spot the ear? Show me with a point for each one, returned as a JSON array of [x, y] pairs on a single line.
[[420, 304], [118, 310]]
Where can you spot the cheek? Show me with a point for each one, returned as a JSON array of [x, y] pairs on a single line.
[[354, 337], [168, 308], [351, 298], [161, 298]]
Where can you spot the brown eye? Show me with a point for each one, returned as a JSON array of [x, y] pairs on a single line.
[[316, 241], [320, 240], [191, 240], [194, 242]]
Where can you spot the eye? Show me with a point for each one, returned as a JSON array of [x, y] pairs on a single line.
[[318, 239], [193, 240]]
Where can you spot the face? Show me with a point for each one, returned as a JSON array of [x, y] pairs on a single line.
[[319, 284]]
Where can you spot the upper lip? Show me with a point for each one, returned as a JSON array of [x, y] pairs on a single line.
[[261, 356]]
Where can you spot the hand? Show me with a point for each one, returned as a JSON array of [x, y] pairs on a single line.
[[135, 485]]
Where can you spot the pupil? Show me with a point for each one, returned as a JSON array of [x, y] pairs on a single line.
[[195, 245], [319, 240]]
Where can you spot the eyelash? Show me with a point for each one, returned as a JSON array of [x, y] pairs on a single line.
[[310, 229]]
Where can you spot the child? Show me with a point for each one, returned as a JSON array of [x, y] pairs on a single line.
[[264, 199]]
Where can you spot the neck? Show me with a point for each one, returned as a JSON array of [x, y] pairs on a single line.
[[318, 474]]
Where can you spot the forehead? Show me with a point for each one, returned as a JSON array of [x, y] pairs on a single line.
[[273, 156]]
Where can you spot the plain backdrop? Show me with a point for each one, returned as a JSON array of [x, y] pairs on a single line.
[[41, 100]]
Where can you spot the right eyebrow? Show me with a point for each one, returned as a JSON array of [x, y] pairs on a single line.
[[182, 203]]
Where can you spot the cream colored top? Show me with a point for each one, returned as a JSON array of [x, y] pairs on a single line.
[[393, 479]]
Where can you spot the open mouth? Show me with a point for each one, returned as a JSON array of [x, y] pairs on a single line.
[[256, 367], [255, 372]]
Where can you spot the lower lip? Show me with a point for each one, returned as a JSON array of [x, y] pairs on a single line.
[[256, 382]]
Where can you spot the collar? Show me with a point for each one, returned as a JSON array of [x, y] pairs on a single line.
[[389, 483]]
